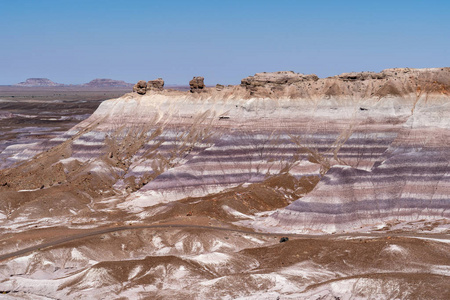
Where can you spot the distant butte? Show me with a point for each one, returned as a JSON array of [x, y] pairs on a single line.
[[35, 82], [104, 82], [96, 83]]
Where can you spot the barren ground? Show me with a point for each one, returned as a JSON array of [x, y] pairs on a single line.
[[80, 220]]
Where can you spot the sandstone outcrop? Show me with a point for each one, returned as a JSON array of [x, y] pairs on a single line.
[[354, 76], [389, 82], [155, 85], [197, 84], [140, 87], [283, 78], [152, 85]]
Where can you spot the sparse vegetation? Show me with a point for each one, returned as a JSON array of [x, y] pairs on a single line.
[[128, 146]]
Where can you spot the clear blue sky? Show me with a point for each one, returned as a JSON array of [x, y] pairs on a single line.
[[75, 41]]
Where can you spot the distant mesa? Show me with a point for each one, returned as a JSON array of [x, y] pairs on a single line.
[[33, 82], [96, 83], [107, 83]]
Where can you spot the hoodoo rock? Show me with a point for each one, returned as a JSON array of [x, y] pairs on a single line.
[[140, 87], [155, 85], [197, 84]]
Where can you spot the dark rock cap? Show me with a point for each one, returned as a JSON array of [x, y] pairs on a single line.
[[155, 85], [140, 87], [197, 84]]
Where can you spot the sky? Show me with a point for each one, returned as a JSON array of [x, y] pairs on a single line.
[[75, 41]]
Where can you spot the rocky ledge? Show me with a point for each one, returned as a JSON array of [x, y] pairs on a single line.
[[403, 82]]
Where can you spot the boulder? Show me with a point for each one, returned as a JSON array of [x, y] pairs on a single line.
[[155, 85], [197, 84], [219, 87], [140, 87], [284, 239]]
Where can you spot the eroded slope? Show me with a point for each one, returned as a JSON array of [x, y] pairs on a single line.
[[365, 153]]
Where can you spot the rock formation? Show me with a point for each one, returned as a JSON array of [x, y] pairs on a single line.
[[96, 83], [274, 79], [107, 83], [197, 84], [188, 189], [39, 82], [152, 85], [354, 76], [394, 82], [140, 87], [155, 85]]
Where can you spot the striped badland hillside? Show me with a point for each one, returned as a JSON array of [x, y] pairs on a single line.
[[385, 161]]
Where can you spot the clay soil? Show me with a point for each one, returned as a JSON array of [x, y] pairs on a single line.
[[56, 108], [131, 252]]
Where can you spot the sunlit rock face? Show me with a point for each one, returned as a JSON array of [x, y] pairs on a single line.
[[409, 181]]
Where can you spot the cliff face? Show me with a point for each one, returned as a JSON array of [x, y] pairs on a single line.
[[400, 82], [390, 82]]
